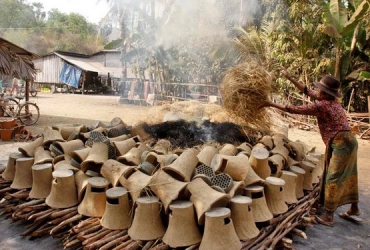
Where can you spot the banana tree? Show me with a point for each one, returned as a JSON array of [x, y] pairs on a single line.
[[342, 29]]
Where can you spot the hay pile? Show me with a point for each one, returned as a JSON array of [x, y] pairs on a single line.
[[189, 111], [243, 88]]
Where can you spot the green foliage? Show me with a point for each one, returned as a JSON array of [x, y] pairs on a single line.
[[26, 25]]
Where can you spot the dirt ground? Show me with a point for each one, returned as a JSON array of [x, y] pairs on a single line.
[[87, 109]]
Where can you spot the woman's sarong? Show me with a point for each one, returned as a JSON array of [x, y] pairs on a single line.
[[341, 181]]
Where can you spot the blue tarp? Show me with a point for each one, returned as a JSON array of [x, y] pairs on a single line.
[[70, 75]]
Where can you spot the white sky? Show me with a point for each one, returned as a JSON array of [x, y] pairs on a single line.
[[90, 9]]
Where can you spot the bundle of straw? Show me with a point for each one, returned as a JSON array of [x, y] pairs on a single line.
[[243, 89]]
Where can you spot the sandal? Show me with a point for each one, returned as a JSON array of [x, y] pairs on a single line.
[[323, 222], [351, 218]]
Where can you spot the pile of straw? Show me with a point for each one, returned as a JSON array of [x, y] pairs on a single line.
[[243, 89]]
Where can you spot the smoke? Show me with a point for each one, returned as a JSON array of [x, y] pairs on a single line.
[[192, 21]]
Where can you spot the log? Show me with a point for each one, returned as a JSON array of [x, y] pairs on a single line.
[[65, 223], [121, 240], [108, 238]]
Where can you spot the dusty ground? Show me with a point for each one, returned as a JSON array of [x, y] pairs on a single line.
[[87, 109]]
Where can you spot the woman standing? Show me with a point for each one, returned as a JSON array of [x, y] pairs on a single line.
[[340, 180]]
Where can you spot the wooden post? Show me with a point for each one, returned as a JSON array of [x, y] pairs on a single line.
[[368, 106]]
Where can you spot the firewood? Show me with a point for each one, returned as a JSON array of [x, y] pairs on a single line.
[[42, 206], [287, 240], [109, 237], [193, 247], [43, 230], [22, 194], [300, 233], [123, 245], [83, 226], [32, 228], [161, 246], [308, 219], [5, 190], [27, 214], [46, 215], [89, 232], [65, 223], [63, 212], [61, 234], [88, 221], [148, 245], [134, 245], [94, 238], [63, 218], [72, 243], [36, 215], [121, 240], [31, 203]]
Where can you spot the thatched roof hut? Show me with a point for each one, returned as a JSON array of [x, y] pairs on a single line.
[[16, 61]]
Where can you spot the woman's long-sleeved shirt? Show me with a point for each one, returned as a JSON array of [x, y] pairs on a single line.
[[331, 116]]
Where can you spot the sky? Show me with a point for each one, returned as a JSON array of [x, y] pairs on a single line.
[[90, 9]]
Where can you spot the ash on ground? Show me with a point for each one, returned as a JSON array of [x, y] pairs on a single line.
[[184, 134]]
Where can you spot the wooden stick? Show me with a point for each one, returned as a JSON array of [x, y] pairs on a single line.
[[43, 230], [102, 233], [82, 226], [109, 237], [61, 234], [123, 245], [148, 245], [4, 190], [46, 215], [36, 215], [72, 243], [63, 218], [63, 212], [300, 233], [161, 246], [83, 235], [87, 221], [31, 203], [120, 240], [65, 223], [32, 228], [193, 247]]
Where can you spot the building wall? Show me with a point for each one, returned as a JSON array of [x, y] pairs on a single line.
[[110, 59], [48, 69]]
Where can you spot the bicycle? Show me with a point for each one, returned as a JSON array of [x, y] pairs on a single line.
[[28, 112]]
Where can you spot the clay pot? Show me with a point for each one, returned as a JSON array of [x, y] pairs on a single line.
[[6, 134]]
